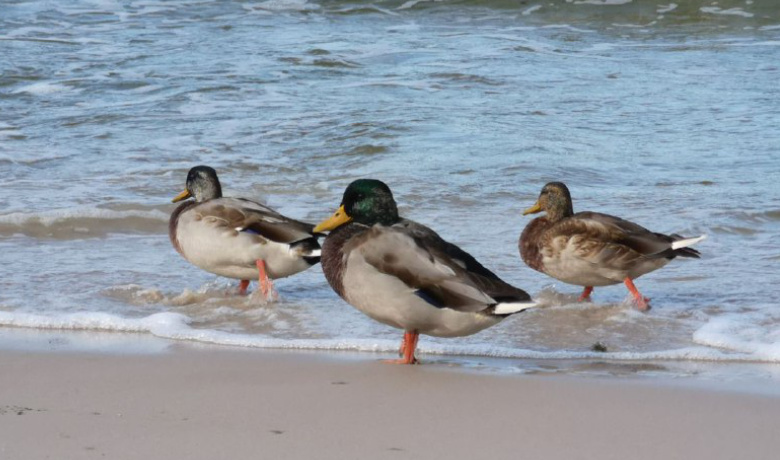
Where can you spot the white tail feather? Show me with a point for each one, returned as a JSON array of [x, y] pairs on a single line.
[[507, 308], [314, 253], [687, 242]]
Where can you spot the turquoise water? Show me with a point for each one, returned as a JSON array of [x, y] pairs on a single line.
[[664, 114]]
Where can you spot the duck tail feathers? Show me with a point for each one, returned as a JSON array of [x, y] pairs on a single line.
[[312, 256], [509, 308], [313, 253], [308, 249], [684, 243], [680, 246]]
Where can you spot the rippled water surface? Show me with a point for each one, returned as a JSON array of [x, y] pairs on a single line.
[[666, 114]]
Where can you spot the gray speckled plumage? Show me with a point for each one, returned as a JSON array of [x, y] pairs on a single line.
[[226, 236], [405, 275]]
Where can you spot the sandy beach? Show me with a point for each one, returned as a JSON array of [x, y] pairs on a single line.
[[125, 337], [223, 403]]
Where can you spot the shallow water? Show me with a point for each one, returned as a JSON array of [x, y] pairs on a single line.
[[662, 113]]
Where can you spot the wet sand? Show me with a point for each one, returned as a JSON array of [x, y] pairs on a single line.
[[206, 404]]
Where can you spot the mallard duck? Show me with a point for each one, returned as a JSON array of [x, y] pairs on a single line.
[[238, 238], [403, 274], [592, 249]]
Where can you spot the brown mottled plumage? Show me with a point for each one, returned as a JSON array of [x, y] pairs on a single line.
[[592, 249]]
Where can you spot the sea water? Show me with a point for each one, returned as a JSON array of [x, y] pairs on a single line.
[[664, 113]]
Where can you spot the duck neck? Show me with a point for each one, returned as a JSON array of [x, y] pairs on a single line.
[[380, 210], [207, 191], [560, 210]]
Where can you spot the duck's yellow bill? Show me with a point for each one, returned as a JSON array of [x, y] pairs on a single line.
[[533, 209], [181, 196], [338, 218]]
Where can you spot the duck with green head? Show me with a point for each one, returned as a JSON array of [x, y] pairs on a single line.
[[592, 249], [238, 238], [403, 274]]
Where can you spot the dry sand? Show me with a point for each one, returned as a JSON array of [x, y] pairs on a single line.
[[257, 404]]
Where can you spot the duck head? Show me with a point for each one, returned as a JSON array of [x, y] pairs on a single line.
[[202, 184], [365, 201], [555, 200]]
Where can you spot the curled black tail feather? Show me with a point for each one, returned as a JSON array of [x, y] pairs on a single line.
[[306, 246], [687, 252], [684, 252]]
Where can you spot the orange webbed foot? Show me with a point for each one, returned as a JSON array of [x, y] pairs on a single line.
[[408, 346], [585, 296], [242, 287], [266, 284], [642, 303]]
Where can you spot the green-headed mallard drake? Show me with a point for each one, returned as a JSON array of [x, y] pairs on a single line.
[[592, 249], [238, 238], [403, 274]]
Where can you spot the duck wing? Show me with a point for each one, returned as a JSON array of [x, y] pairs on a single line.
[[605, 240], [244, 215], [439, 272], [619, 231]]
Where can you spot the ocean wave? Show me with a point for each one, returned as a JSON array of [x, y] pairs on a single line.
[[644, 11], [42, 89], [83, 222], [176, 326], [755, 334], [283, 5], [600, 2], [726, 11], [30, 159]]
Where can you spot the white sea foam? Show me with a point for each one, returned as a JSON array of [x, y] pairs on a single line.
[[599, 2], [754, 334], [411, 84], [28, 159], [285, 5], [410, 4], [762, 43], [726, 12], [158, 324], [531, 9], [176, 326], [41, 88]]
